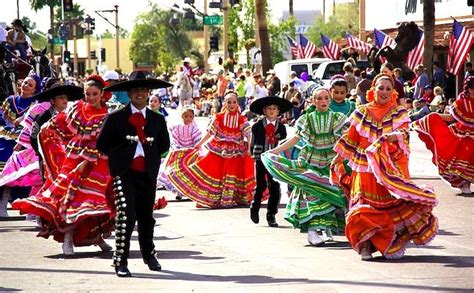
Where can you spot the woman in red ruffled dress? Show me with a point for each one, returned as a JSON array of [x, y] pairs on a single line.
[[387, 210], [452, 144], [75, 204]]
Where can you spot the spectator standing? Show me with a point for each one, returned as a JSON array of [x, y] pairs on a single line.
[[422, 80], [438, 75]]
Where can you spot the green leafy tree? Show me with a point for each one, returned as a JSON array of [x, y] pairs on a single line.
[[346, 19], [242, 30], [38, 39], [37, 5], [155, 40]]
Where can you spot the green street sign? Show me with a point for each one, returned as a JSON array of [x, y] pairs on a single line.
[[212, 20], [58, 41]]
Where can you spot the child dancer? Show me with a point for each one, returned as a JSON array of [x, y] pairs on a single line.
[[339, 102], [266, 133], [314, 200], [186, 135], [224, 177], [452, 145]]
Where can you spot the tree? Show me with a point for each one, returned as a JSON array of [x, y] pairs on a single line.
[[38, 39], [156, 41], [40, 4], [263, 34], [345, 19], [242, 31], [429, 27]]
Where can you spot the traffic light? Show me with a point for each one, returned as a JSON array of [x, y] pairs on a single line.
[[66, 57], [102, 54], [233, 2], [470, 2], [189, 2], [93, 56], [92, 24], [214, 43], [68, 5]]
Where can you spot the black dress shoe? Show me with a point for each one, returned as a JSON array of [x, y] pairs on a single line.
[[271, 220], [122, 271], [153, 264], [254, 215]]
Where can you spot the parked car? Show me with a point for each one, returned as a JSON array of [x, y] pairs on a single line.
[[327, 70], [283, 69]]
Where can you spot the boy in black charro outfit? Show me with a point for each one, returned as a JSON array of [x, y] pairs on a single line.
[[266, 133]]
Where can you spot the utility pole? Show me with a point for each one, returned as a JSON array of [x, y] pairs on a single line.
[[74, 35], [117, 37], [225, 8], [362, 34], [88, 51], [206, 42]]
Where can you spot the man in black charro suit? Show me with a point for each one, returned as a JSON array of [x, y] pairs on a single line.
[[134, 138]]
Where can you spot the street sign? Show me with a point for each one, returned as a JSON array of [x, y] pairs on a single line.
[[255, 56], [58, 41], [212, 20]]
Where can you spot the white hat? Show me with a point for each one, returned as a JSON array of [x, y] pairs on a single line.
[[271, 71], [187, 60], [111, 75]]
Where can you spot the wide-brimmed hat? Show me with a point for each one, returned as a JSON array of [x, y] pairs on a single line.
[[187, 60], [138, 79], [258, 105], [72, 92], [18, 22]]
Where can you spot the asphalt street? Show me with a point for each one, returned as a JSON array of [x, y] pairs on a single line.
[[221, 250]]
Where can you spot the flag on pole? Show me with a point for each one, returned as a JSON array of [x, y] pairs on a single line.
[[382, 40], [296, 49], [357, 44], [415, 56], [330, 48], [459, 46], [308, 47]]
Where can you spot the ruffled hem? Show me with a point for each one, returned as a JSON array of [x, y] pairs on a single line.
[[389, 177]]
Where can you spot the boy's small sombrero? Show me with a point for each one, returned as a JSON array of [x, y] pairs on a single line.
[[73, 93], [258, 105]]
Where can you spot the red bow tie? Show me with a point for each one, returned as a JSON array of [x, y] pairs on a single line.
[[270, 134], [137, 120]]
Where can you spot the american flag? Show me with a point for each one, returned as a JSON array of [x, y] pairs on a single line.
[[356, 43], [459, 46], [330, 48], [382, 40], [296, 49], [309, 48], [415, 56]]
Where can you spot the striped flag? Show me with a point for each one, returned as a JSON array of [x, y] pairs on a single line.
[[415, 56], [382, 40], [330, 48], [459, 46], [296, 49], [357, 44], [308, 47]]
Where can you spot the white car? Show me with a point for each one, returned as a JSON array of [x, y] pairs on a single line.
[[327, 70]]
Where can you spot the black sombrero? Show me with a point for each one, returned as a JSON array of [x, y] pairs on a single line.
[[138, 79], [72, 92], [258, 105]]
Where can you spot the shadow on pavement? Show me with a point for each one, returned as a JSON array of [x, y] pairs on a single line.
[[447, 233], [239, 279], [135, 254], [447, 260]]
